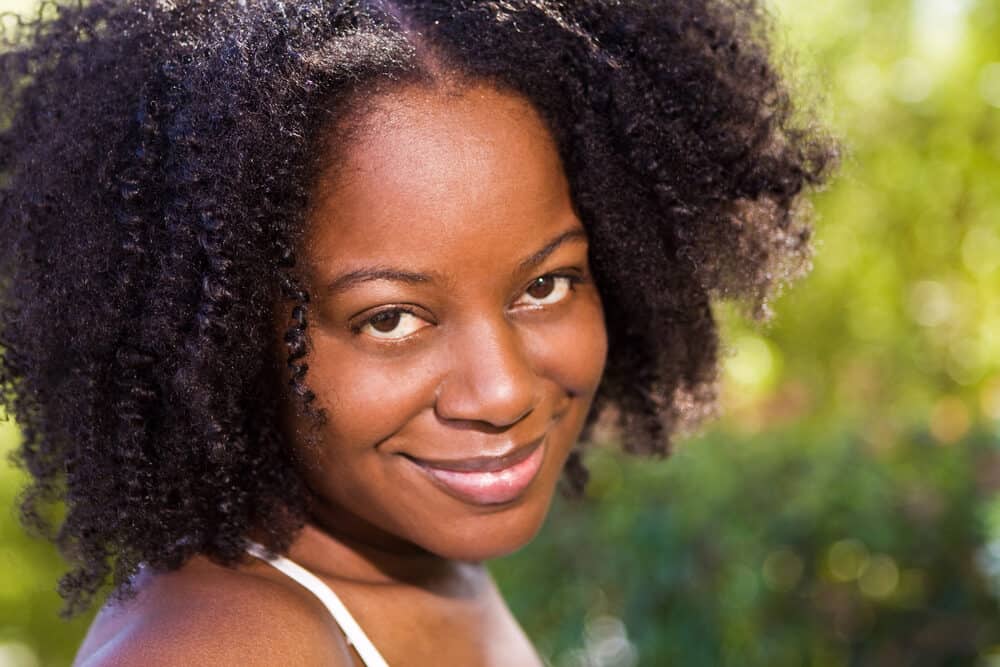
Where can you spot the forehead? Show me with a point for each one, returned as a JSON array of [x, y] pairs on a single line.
[[433, 165]]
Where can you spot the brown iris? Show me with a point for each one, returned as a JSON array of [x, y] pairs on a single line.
[[387, 321], [542, 287]]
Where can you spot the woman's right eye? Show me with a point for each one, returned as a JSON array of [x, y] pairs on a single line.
[[391, 324]]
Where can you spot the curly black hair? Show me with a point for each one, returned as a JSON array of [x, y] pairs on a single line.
[[156, 158]]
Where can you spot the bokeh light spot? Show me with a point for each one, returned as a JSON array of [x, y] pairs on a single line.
[[931, 303], [16, 654], [965, 361], [863, 83], [753, 364], [981, 249], [880, 577], [847, 559], [989, 84], [989, 399], [607, 643], [912, 81], [950, 420]]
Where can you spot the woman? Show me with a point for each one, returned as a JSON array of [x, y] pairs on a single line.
[[306, 305]]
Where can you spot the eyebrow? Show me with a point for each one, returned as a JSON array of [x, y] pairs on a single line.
[[354, 278], [550, 247]]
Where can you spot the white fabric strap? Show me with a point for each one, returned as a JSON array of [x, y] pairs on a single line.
[[352, 631]]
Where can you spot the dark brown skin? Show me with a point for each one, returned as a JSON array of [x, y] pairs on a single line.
[[505, 344]]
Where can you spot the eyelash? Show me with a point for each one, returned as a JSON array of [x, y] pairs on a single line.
[[382, 314], [571, 278], [357, 328]]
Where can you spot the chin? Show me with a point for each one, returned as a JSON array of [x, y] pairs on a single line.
[[492, 534]]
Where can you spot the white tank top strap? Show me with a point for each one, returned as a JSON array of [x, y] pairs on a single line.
[[352, 631]]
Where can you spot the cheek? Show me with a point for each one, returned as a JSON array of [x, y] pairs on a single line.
[[366, 398], [573, 351]]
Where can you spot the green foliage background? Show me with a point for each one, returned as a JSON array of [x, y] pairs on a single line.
[[844, 511]]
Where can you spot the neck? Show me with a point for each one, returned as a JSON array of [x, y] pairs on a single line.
[[343, 551]]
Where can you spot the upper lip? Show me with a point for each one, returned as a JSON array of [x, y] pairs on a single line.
[[514, 455]]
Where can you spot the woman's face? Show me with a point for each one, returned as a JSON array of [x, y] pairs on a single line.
[[457, 338]]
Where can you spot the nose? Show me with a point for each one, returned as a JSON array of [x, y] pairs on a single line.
[[490, 379]]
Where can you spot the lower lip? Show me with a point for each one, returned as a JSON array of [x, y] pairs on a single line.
[[490, 488]]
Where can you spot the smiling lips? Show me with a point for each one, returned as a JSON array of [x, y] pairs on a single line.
[[487, 480]]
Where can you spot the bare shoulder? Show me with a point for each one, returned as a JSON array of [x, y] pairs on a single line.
[[206, 614]]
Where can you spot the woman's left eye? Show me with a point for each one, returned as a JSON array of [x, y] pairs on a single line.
[[547, 290]]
